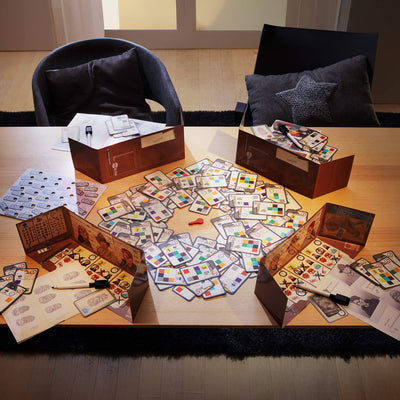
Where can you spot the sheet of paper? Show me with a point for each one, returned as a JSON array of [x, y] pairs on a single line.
[[100, 137], [46, 307]]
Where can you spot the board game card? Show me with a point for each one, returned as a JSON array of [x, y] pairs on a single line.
[[177, 172], [296, 219], [292, 203], [262, 131], [246, 182], [152, 191], [196, 273], [200, 206], [269, 209], [282, 231], [181, 198], [263, 233], [221, 260], [154, 255], [389, 254], [120, 122], [276, 193], [129, 238], [26, 278], [294, 132], [233, 278], [218, 223], [247, 213], [9, 294], [165, 235], [139, 214], [203, 241], [186, 182], [243, 245], [184, 292], [250, 262], [114, 211], [211, 181], [358, 266], [143, 231], [276, 220], [382, 275], [235, 228], [243, 200], [94, 302], [175, 252], [222, 164], [211, 195], [157, 211], [199, 288], [169, 276], [138, 199], [159, 180], [325, 154], [391, 266], [328, 308], [10, 269], [121, 227], [197, 166], [216, 290]]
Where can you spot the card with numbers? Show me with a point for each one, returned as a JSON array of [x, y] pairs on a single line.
[[233, 278]]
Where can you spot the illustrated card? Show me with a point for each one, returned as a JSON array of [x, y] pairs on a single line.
[[157, 211], [246, 182], [244, 245], [114, 211], [184, 292], [94, 302], [26, 278], [263, 233], [276, 193], [216, 290], [154, 255], [9, 293], [359, 266], [211, 195], [175, 252], [211, 181], [169, 276], [233, 278], [197, 273], [382, 275], [159, 180], [200, 206], [328, 308]]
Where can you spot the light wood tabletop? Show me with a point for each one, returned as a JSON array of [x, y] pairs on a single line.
[[374, 187]]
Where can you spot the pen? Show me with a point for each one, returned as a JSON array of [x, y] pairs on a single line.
[[337, 298], [89, 133], [100, 284]]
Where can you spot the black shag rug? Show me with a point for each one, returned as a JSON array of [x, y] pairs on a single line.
[[234, 343], [191, 118]]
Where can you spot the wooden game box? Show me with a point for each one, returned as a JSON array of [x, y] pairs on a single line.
[[289, 169], [344, 228], [46, 235], [129, 157]]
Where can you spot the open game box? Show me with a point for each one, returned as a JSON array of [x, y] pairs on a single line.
[[129, 157], [61, 233], [290, 169], [340, 228]]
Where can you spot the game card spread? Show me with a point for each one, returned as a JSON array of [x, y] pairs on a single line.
[[37, 191]]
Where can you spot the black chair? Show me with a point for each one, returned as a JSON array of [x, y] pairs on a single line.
[[156, 81], [285, 50]]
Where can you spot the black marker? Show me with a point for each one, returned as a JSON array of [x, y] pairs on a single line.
[[89, 133], [100, 284], [337, 298]]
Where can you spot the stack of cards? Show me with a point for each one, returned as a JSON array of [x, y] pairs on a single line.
[[307, 142], [385, 271], [17, 279], [121, 126], [256, 216]]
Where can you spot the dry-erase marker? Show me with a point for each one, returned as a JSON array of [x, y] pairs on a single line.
[[100, 284], [89, 133], [337, 298]]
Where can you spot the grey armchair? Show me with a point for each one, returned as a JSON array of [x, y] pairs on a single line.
[[157, 84]]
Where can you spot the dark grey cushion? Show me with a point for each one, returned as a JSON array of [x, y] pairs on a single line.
[[336, 95], [110, 85]]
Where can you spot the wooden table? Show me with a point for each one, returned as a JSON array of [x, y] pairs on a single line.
[[374, 187]]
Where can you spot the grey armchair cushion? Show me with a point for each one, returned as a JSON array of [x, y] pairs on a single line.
[[347, 102], [111, 85]]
